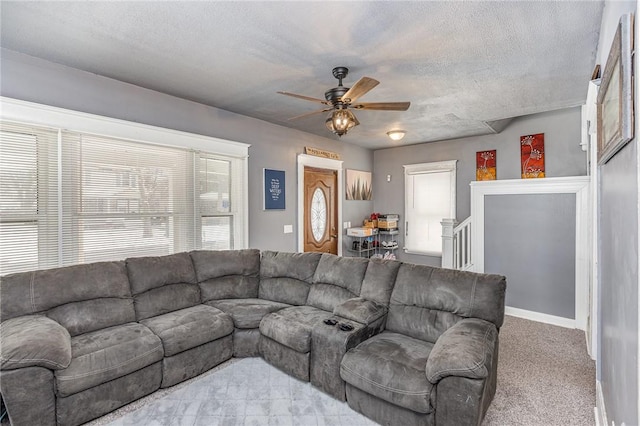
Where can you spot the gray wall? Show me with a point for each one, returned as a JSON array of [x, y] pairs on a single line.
[[618, 355], [272, 146], [563, 157], [540, 275]]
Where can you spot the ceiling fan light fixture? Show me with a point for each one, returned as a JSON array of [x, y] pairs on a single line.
[[396, 135], [341, 121], [340, 100]]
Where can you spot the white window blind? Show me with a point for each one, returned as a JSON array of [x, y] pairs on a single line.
[[28, 197], [430, 196], [124, 199], [216, 220], [118, 199]]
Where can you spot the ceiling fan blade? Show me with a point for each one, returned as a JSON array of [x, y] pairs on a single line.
[[310, 113], [383, 106], [306, 98], [361, 87]]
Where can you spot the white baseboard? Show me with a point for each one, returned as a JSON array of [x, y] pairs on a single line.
[[600, 411], [540, 317]]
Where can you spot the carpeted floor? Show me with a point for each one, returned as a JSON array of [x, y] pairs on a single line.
[[545, 378]]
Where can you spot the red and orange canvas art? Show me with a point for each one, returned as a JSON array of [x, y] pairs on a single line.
[[532, 156], [486, 165]]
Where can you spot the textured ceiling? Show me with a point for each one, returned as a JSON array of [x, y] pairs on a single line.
[[462, 65]]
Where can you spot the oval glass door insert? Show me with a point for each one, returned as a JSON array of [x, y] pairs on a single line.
[[318, 214]]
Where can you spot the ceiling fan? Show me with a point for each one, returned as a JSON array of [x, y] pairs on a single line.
[[341, 99]]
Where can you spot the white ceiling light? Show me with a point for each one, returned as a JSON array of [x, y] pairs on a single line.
[[396, 135]]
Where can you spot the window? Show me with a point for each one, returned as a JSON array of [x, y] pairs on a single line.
[[430, 196], [28, 197], [69, 197], [215, 205], [123, 199]]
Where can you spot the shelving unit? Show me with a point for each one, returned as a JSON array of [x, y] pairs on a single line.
[[371, 245], [387, 237]]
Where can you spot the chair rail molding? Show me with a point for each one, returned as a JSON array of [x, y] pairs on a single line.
[[578, 185]]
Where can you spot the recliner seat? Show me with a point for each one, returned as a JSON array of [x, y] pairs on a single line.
[[167, 300], [88, 345], [441, 324]]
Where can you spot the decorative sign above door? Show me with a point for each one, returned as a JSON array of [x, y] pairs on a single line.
[[321, 153]]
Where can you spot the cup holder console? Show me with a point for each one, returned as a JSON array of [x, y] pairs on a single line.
[[342, 326], [345, 327]]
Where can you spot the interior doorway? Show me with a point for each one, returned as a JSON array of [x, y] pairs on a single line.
[[320, 193], [320, 210]]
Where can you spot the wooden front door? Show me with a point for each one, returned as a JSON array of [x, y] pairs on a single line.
[[320, 210]]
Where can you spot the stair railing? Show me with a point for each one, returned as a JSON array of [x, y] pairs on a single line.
[[456, 244]]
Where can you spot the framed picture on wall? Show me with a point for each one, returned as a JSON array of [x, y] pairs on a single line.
[[358, 185], [615, 98], [274, 190], [486, 165], [532, 156]]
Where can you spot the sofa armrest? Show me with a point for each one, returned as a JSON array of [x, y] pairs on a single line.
[[34, 341], [360, 310], [464, 350]]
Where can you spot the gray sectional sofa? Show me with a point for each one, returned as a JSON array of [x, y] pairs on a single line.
[[411, 345]]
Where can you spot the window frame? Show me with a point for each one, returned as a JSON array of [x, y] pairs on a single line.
[[411, 170], [63, 120]]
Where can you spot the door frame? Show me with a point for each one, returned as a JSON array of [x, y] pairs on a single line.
[[305, 160]]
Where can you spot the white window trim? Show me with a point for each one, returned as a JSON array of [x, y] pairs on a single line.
[[45, 115], [54, 117], [415, 169]]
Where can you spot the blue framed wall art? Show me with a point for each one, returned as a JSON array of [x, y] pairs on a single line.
[[274, 190]]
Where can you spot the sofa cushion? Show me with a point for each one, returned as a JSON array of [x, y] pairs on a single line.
[[104, 355], [221, 263], [427, 301], [91, 315], [391, 367], [146, 273], [336, 280], [162, 284], [166, 299], [379, 279], [292, 327], [247, 313], [284, 290], [187, 328], [286, 277], [345, 272], [227, 274], [32, 292], [231, 287]]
